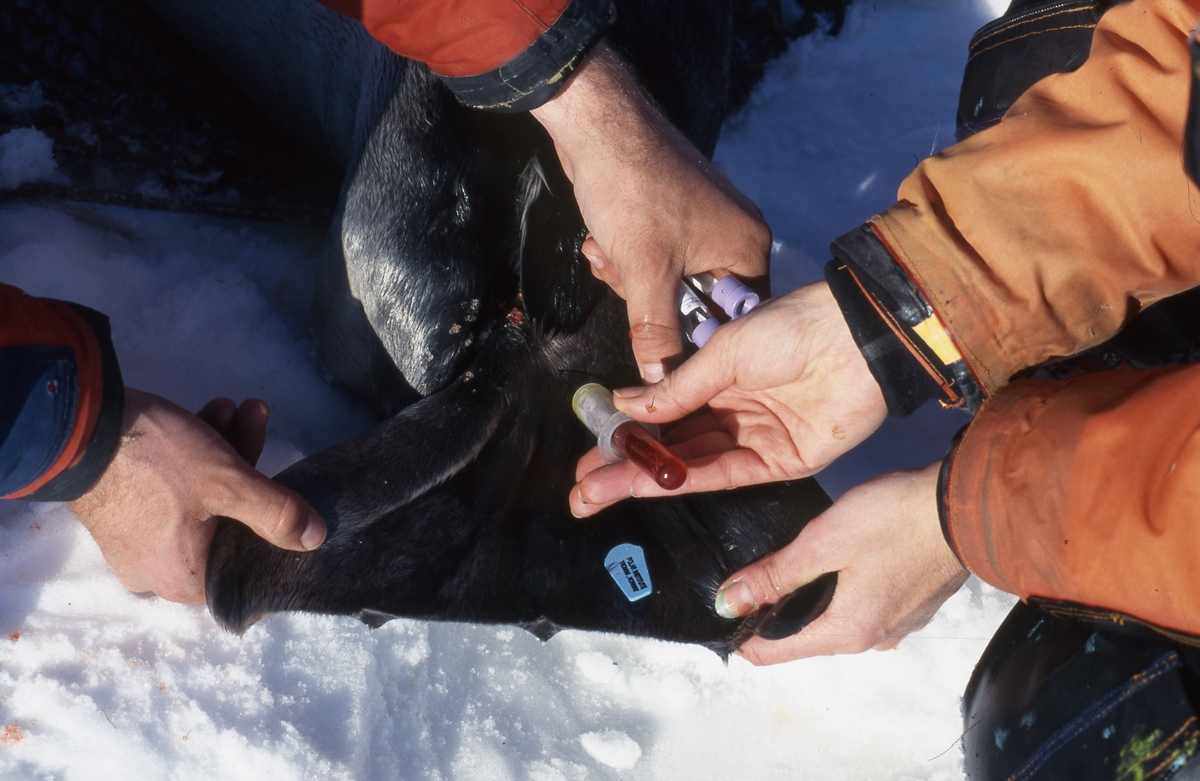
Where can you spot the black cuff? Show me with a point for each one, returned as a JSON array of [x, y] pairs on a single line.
[[536, 74], [904, 382], [901, 307], [75, 481]]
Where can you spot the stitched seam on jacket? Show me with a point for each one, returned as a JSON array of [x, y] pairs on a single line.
[[1033, 16], [1094, 713], [1035, 32], [532, 15]]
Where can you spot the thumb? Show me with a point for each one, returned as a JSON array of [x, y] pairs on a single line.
[[769, 579], [654, 329], [278, 515], [695, 383]]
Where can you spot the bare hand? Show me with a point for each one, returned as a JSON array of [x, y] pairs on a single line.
[[787, 393], [153, 511], [894, 571], [657, 209]]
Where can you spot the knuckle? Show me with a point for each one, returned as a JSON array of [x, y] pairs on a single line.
[[284, 517], [772, 580], [753, 655]]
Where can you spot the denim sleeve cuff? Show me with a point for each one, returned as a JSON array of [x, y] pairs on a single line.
[[877, 297], [76, 480], [537, 73]]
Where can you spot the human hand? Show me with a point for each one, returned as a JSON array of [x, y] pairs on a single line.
[[894, 570], [787, 393], [154, 510], [657, 209]]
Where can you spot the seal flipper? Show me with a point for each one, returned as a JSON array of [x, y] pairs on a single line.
[[359, 484], [543, 628], [374, 618]]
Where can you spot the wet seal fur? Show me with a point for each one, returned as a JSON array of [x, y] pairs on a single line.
[[452, 293]]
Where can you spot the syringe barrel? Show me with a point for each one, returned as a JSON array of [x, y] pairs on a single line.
[[594, 407]]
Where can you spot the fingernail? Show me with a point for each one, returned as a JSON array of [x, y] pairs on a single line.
[[595, 260], [735, 600], [314, 533], [652, 373], [629, 393]]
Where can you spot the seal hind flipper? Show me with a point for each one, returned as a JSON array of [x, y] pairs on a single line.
[[373, 618]]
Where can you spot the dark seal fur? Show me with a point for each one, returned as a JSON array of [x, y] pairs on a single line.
[[452, 293]]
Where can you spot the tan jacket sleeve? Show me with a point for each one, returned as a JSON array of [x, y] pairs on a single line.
[[1086, 490], [1041, 236]]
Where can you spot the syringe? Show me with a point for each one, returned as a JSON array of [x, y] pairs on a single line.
[[621, 437]]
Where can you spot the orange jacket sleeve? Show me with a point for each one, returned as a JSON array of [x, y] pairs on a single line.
[[496, 54], [1041, 236], [1087, 491]]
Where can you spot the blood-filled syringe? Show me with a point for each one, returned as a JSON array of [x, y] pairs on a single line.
[[621, 437]]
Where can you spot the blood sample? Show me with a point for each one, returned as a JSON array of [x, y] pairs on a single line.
[[621, 437]]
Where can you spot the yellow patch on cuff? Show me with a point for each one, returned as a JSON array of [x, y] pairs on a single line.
[[935, 337]]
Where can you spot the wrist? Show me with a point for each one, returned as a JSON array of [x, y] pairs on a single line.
[[602, 107]]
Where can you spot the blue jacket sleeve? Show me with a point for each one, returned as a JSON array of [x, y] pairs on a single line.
[[61, 397]]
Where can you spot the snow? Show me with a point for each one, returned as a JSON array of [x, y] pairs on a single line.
[[96, 683], [26, 155]]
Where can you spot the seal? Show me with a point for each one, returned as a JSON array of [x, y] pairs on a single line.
[[452, 293]]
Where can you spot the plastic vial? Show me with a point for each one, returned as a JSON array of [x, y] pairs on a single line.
[[727, 292], [621, 437], [698, 322]]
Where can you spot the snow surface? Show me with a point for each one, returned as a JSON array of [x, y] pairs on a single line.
[[96, 683], [26, 155]]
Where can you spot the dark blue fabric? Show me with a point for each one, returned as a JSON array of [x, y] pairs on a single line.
[[39, 393], [536, 74]]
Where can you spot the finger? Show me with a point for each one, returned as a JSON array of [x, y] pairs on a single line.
[[248, 429], [218, 413], [605, 486], [602, 269], [589, 462], [703, 446], [778, 574], [654, 329], [688, 388], [273, 512], [829, 635], [610, 484]]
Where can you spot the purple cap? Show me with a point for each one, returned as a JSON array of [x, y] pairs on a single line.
[[704, 331], [733, 297]]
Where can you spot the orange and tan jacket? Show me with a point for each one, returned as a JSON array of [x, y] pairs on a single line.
[[1036, 239]]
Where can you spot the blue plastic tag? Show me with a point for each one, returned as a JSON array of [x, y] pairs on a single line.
[[627, 565]]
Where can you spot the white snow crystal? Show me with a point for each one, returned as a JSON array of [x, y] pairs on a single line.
[[612, 748], [26, 155]]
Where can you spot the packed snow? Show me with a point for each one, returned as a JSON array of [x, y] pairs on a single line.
[[26, 155], [97, 683]]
